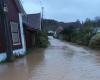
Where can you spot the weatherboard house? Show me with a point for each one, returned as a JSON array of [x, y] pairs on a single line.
[[14, 16], [31, 25]]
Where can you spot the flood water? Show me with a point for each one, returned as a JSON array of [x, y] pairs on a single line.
[[60, 61]]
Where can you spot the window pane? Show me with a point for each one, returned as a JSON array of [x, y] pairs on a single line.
[[14, 27], [15, 38], [14, 30]]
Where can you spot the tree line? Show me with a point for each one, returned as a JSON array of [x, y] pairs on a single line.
[[76, 32], [84, 34]]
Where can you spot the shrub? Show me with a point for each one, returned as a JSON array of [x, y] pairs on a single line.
[[42, 39], [95, 41]]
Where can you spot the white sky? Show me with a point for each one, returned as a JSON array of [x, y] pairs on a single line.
[[64, 10]]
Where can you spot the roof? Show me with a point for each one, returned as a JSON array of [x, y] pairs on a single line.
[[70, 24], [96, 29], [33, 21], [19, 6]]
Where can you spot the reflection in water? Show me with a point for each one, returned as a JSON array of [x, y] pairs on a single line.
[[21, 69], [60, 61]]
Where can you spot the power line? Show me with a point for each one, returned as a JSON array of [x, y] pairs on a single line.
[[41, 3]]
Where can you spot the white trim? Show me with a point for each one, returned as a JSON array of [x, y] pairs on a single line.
[[19, 52], [22, 32], [2, 56], [19, 42], [16, 44]]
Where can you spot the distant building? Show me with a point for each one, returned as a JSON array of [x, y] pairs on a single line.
[[31, 24], [96, 30], [58, 31]]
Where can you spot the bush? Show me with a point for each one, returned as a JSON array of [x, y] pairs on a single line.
[[95, 41], [42, 39]]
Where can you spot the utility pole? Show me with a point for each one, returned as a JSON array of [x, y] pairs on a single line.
[[42, 12], [6, 29], [42, 16]]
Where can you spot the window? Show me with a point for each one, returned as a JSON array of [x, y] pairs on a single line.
[[15, 33]]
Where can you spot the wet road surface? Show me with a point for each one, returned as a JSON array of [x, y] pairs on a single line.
[[60, 61]]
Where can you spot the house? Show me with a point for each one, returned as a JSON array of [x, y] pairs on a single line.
[[96, 30], [14, 16], [58, 31], [31, 25]]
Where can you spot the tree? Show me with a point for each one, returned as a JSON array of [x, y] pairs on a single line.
[[97, 21]]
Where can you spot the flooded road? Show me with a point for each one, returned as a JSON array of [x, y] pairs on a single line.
[[60, 61]]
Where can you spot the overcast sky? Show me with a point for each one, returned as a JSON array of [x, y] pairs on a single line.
[[64, 10]]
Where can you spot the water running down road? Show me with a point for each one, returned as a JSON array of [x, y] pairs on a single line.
[[60, 61]]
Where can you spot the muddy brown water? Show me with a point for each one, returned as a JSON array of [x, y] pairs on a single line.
[[60, 61]]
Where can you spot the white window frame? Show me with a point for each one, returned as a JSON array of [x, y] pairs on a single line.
[[17, 32]]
